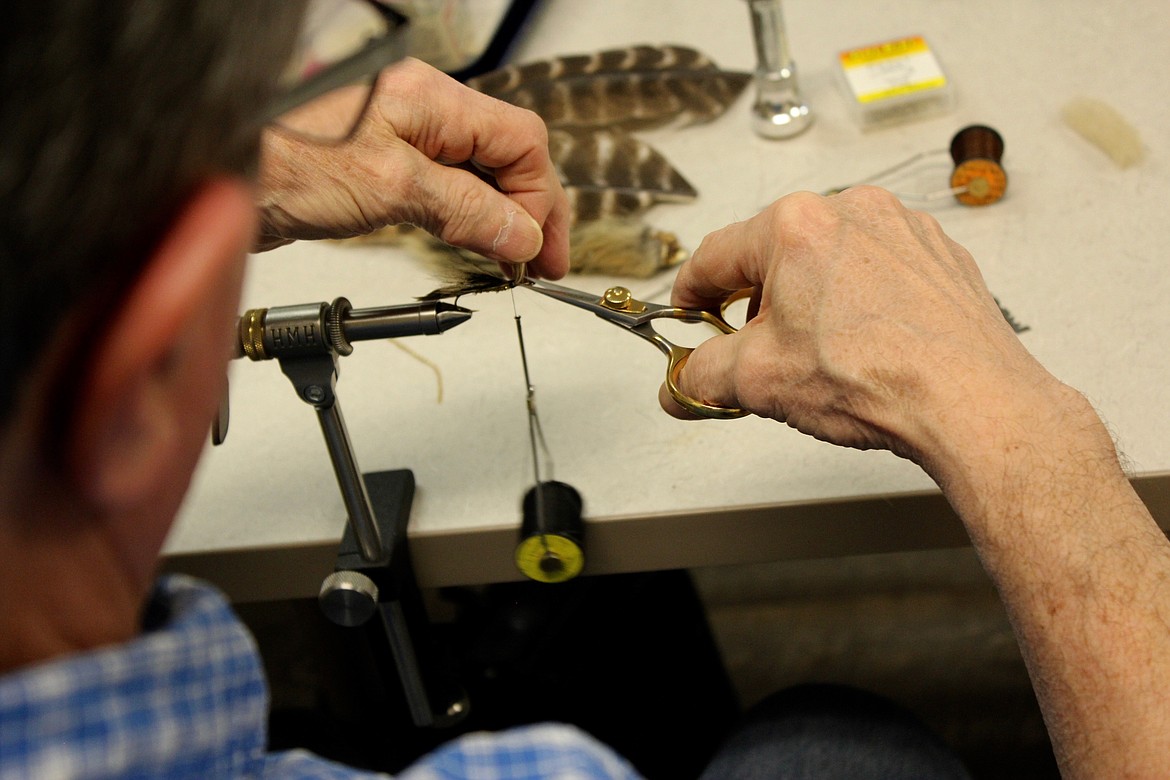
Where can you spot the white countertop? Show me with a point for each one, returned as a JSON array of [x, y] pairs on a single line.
[[1077, 250]]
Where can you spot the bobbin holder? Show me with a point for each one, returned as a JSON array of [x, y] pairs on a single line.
[[373, 585]]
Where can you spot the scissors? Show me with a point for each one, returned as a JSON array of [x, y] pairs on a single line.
[[618, 305]]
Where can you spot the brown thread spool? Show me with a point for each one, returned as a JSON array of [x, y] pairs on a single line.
[[977, 151]]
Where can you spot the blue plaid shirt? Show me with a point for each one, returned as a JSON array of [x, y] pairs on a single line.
[[189, 700]]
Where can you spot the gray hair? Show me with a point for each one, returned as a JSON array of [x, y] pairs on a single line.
[[112, 111]]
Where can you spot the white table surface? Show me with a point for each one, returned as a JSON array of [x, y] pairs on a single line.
[[1077, 251]]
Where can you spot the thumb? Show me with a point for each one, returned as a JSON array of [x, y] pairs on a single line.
[[467, 212], [707, 376]]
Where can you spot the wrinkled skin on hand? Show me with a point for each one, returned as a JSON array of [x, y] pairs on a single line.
[[470, 169], [872, 324]]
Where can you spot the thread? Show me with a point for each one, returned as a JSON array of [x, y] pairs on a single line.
[[562, 511], [976, 142]]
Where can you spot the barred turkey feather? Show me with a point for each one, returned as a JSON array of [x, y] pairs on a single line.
[[609, 173], [635, 87], [641, 57]]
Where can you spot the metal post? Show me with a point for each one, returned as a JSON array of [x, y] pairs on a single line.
[[779, 111]]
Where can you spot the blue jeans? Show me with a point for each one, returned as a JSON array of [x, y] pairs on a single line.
[[824, 732]]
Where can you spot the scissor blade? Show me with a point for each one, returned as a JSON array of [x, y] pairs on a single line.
[[589, 301]]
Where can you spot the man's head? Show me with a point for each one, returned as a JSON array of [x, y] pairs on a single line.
[[129, 133], [115, 112]]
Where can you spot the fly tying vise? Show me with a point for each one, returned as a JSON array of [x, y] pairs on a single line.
[[977, 179], [373, 582]]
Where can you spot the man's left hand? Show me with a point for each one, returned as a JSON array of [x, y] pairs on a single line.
[[472, 170]]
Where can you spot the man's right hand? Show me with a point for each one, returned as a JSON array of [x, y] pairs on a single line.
[[873, 328]]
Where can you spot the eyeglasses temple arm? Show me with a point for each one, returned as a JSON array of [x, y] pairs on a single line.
[[369, 60]]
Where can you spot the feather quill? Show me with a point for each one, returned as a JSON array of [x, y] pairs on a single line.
[[635, 87]]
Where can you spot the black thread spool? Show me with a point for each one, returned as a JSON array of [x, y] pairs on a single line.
[[976, 151], [551, 540]]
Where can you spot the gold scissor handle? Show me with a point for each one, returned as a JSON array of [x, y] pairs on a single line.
[[619, 299], [676, 361], [677, 358]]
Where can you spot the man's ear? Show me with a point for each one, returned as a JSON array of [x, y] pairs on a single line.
[[153, 384]]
